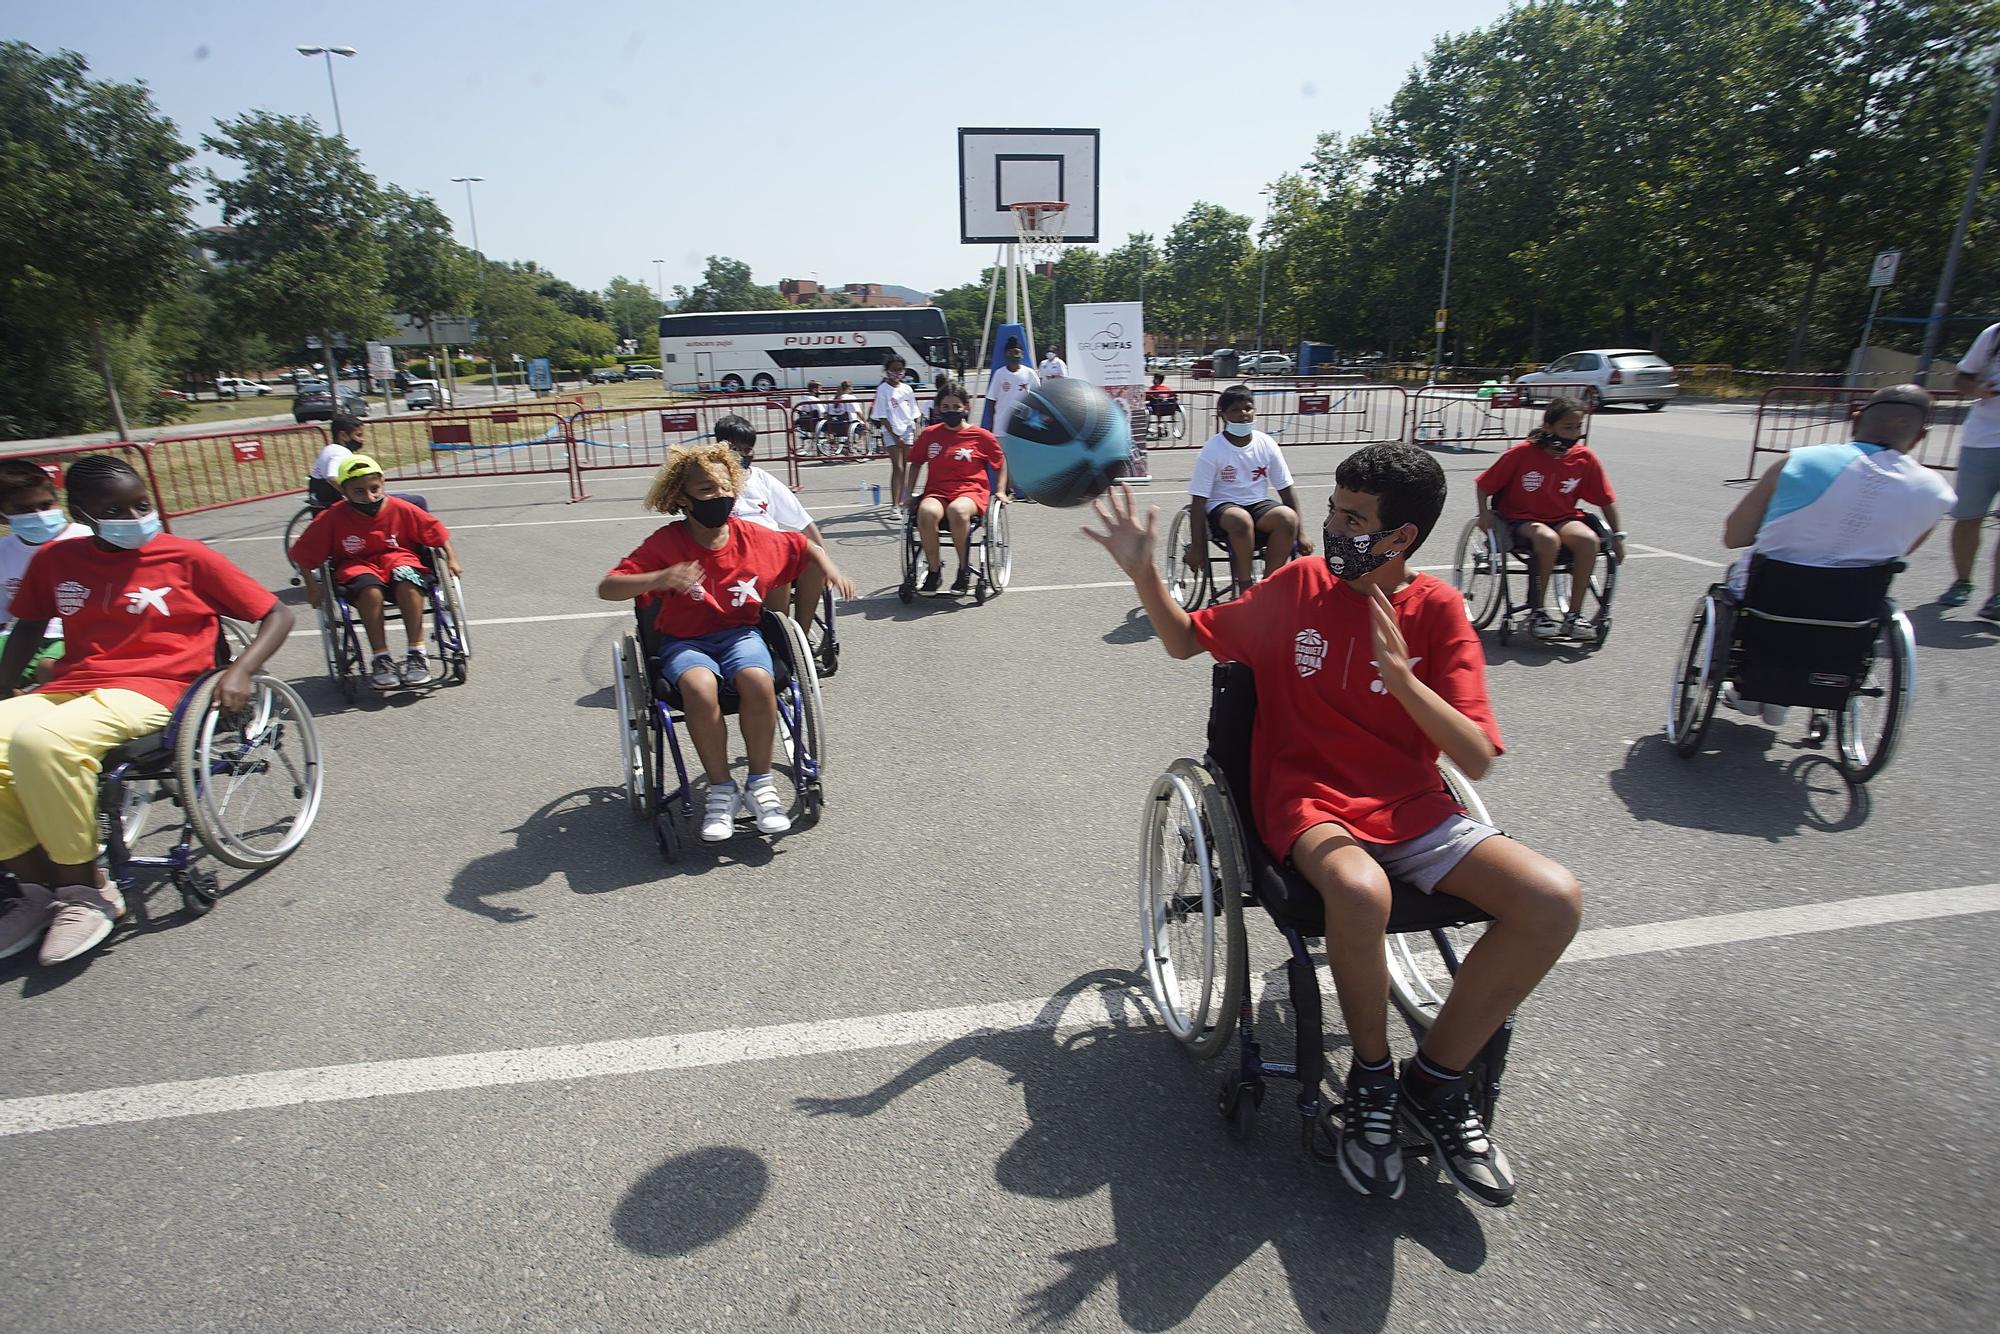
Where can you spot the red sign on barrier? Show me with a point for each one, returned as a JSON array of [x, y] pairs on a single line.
[[248, 451], [506, 415], [1506, 398], [680, 421], [1315, 405], [451, 433]]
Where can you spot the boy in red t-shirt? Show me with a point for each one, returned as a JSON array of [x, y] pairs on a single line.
[[1365, 672], [1530, 497], [375, 541], [956, 459], [140, 610], [710, 574]]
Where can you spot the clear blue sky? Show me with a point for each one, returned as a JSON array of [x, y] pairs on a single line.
[[611, 134]]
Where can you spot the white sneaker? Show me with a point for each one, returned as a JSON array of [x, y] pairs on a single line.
[[762, 802], [718, 821], [1775, 714], [1740, 704]]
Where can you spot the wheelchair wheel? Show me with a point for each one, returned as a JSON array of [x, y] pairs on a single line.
[[826, 649], [1697, 678], [1186, 580], [455, 641], [304, 515], [907, 590], [1178, 429], [1192, 871], [628, 685], [1603, 583], [250, 779], [808, 738], [1422, 963], [999, 552], [1479, 571], [1867, 727]]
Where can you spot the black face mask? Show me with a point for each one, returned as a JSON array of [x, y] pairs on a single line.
[[370, 508], [713, 512], [954, 418]]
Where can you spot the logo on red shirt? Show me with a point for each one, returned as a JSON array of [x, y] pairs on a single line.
[[1309, 651], [139, 599], [70, 597], [351, 544], [962, 455], [1570, 484], [743, 590], [1376, 687], [1531, 481]]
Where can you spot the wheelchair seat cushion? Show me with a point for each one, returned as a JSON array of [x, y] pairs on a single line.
[[1292, 902], [143, 754]]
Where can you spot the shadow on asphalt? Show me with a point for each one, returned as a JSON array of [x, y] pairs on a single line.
[[690, 1201], [1739, 783], [1932, 630], [1115, 1107], [1136, 628]]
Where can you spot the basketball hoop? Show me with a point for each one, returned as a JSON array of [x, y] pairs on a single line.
[[1038, 229]]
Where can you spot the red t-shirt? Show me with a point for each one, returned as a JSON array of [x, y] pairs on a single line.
[[735, 577], [361, 544], [140, 620], [1527, 483], [1331, 743], [956, 461]]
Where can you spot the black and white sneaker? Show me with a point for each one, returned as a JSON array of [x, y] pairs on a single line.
[[1445, 1116], [1371, 1155], [929, 587], [961, 582]]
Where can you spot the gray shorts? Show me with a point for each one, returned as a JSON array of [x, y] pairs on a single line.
[[1977, 482], [1429, 857]]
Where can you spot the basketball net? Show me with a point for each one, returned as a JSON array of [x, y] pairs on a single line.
[[1038, 230]]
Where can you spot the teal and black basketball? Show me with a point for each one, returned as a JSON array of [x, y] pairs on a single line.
[[1066, 442]]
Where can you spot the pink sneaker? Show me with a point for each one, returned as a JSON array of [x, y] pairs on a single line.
[[83, 917], [24, 917]]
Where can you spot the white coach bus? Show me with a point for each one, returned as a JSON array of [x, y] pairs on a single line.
[[783, 349]]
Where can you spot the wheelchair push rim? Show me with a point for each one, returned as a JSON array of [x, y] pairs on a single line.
[[221, 756], [1190, 908], [628, 686], [1422, 963], [1478, 572], [999, 539], [454, 639], [1867, 727], [1187, 581], [806, 739], [1691, 698]]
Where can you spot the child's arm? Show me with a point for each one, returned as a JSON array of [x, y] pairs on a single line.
[[615, 587], [1132, 547], [1463, 741], [451, 558], [1610, 508], [1288, 496], [840, 583], [24, 640], [233, 688]]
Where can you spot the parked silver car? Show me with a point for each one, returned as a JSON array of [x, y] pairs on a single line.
[[1608, 375], [1265, 363], [426, 394]]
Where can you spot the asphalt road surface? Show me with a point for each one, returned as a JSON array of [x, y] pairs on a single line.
[[476, 1057]]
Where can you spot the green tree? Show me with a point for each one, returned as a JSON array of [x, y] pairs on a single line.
[[1203, 263], [93, 218], [305, 255], [633, 310], [428, 273], [726, 285]]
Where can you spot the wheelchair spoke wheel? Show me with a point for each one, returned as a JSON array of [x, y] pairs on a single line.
[[628, 685], [802, 725], [1191, 876], [1866, 729], [1422, 963], [907, 590], [1186, 578], [999, 545], [455, 637], [1697, 679], [1179, 427], [1478, 572], [251, 779]]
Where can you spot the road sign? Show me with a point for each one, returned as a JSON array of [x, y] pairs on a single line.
[[1443, 317], [539, 378], [413, 331], [1883, 273], [381, 361]]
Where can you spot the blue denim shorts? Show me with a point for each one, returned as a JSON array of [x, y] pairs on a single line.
[[726, 652]]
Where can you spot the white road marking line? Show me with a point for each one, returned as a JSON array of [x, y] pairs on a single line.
[[687, 1051], [1643, 549]]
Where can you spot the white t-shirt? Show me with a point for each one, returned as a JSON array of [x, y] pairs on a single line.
[[768, 501], [1982, 362], [840, 405], [329, 461], [1053, 367], [896, 404], [14, 557], [1004, 390], [1241, 475]]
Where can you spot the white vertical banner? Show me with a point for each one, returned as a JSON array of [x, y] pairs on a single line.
[[1107, 348]]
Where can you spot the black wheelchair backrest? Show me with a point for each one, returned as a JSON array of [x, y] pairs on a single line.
[[1853, 597], [1806, 634], [1232, 714]]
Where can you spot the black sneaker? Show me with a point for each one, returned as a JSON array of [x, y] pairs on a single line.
[[1444, 1115], [961, 582], [931, 582], [1371, 1155]]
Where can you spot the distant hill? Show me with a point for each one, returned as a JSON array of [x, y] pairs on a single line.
[[909, 294]]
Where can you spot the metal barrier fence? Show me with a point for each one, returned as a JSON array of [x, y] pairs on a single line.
[[639, 437], [56, 459], [473, 442], [1334, 414], [1793, 416], [1463, 415], [193, 473]]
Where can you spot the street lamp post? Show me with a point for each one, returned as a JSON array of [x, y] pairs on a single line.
[[472, 216], [1934, 330], [340, 132], [1444, 288], [660, 284], [1263, 264]]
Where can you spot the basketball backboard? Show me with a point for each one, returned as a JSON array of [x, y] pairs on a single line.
[[999, 167]]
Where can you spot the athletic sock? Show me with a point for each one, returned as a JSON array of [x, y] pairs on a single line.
[[1428, 1075], [1381, 1067], [755, 778]]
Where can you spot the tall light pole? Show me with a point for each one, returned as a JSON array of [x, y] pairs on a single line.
[[472, 216], [1444, 288], [1263, 263], [340, 132], [1934, 331], [660, 284]]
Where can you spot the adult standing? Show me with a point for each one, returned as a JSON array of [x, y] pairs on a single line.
[[895, 416], [1053, 367], [1978, 478], [1006, 385]]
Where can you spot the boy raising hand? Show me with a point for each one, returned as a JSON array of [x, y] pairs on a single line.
[[1365, 672]]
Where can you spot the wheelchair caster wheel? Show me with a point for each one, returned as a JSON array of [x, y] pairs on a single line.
[[667, 833], [829, 660], [1238, 1102], [979, 594], [1818, 730], [199, 891], [908, 592]]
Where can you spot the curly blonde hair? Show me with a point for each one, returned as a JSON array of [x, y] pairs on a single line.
[[668, 494]]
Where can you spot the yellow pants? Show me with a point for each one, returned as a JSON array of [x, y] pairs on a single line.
[[50, 745]]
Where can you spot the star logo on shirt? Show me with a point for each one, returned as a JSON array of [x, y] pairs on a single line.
[[1376, 687], [139, 599], [1570, 484], [963, 455], [1259, 474], [743, 590]]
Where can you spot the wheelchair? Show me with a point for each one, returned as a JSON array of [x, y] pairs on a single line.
[[1488, 575], [1201, 864], [247, 783], [838, 434], [989, 548], [1191, 583], [650, 720], [340, 635], [823, 635], [1830, 640], [1165, 418]]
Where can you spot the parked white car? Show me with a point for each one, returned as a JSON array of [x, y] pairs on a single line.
[[1608, 375], [426, 394], [230, 386], [1265, 363], [642, 372]]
